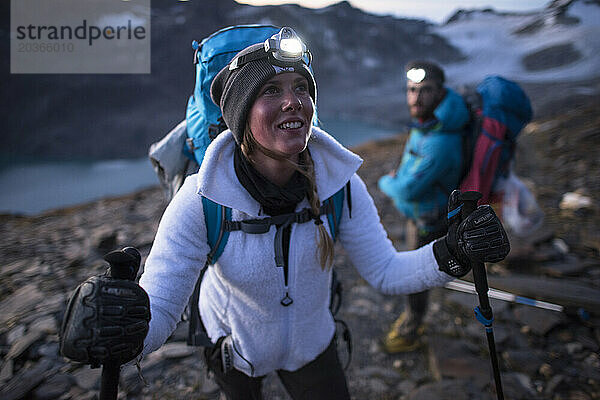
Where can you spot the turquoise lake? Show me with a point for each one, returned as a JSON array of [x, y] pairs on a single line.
[[34, 188]]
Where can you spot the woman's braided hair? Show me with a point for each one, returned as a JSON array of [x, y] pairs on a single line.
[[307, 168]]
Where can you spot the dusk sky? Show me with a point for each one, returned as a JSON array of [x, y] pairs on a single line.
[[433, 10]]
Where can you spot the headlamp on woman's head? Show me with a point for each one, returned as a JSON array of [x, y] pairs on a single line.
[[283, 47]]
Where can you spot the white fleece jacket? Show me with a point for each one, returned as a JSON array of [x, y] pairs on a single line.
[[241, 293]]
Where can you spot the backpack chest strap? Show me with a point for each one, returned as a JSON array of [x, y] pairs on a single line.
[[219, 221], [262, 225]]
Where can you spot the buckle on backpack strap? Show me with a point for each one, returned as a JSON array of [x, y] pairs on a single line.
[[255, 227], [190, 144], [259, 226], [214, 130], [197, 47], [251, 226]]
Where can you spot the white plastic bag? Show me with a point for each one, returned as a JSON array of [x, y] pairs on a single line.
[[520, 211]]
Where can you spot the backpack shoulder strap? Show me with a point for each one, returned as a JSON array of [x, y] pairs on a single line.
[[335, 207], [215, 216]]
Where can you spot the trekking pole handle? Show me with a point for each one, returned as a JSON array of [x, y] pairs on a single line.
[[124, 264], [470, 200]]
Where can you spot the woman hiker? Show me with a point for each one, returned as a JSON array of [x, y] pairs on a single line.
[[265, 302]]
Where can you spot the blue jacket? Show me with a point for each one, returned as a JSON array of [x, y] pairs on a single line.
[[431, 164]]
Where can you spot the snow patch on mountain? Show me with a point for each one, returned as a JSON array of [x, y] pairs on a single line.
[[493, 45]]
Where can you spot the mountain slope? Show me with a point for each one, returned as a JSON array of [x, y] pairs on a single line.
[[557, 44], [358, 63]]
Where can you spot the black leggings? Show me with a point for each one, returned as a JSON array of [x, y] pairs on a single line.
[[418, 302], [321, 379]]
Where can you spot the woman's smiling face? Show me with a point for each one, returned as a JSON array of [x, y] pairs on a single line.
[[281, 116]]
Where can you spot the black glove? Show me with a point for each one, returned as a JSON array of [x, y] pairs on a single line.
[[478, 237], [107, 317]]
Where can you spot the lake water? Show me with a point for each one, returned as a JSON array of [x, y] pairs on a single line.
[[33, 188]]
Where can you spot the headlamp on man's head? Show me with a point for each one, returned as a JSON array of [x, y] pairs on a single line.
[[416, 75], [284, 47], [420, 70]]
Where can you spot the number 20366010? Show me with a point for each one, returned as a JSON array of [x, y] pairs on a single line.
[[45, 47]]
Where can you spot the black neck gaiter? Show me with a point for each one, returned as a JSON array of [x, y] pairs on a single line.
[[274, 199]]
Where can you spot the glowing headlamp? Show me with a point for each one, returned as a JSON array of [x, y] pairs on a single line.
[[283, 47], [416, 74]]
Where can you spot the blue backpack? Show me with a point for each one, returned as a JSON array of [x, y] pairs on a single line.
[[181, 151], [203, 117]]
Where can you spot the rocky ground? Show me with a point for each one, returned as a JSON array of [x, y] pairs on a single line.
[[543, 354]]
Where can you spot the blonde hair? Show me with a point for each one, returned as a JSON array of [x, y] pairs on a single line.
[[306, 167]]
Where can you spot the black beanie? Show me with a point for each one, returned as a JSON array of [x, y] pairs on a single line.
[[234, 91], [433, 71]]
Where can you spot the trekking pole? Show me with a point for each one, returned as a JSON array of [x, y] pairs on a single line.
[[468, 287], [109, 383], [483, 312]]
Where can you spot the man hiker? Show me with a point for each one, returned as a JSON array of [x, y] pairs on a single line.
[[430, 169]]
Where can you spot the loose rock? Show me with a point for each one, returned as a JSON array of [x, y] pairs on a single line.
[[544, 355]]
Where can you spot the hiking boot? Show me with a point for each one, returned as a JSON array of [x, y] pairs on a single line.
[[402, 337]]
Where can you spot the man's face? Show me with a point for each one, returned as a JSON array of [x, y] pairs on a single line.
[[422, 98]]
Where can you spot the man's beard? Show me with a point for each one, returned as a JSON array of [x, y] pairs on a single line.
[[422, 113]]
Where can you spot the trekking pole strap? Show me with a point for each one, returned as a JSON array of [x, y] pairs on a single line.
[[347, 336]]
